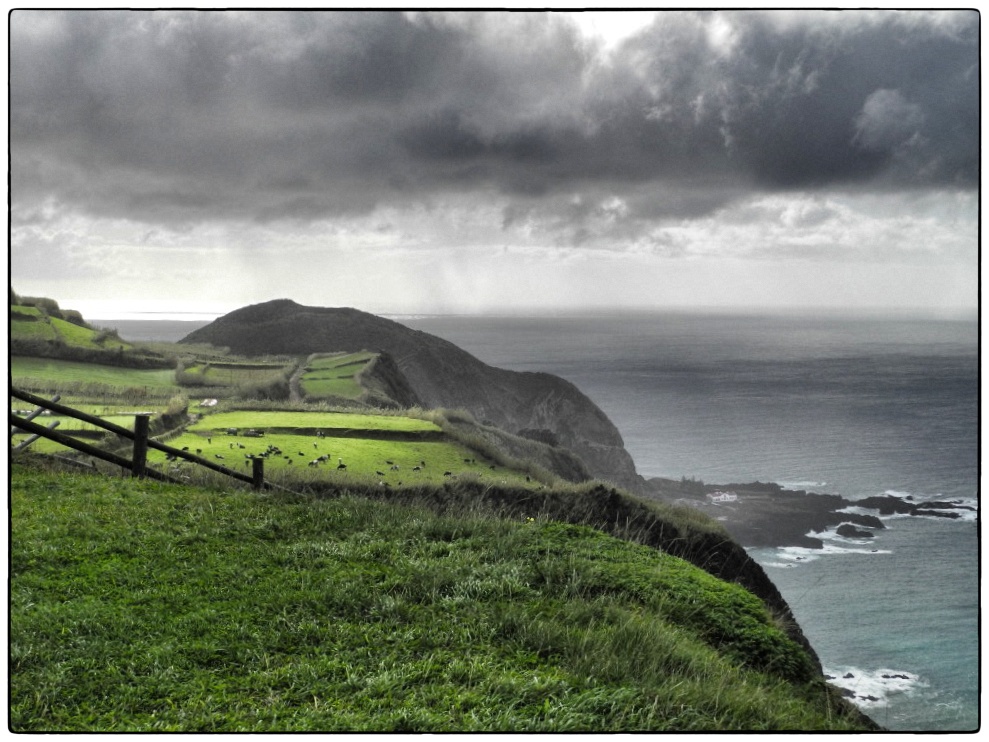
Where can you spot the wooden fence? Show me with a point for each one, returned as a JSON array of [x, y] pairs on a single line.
[[137, 464]]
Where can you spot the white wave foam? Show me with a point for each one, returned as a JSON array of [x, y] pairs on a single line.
[[968, 516], [832, 548], [834, 536], [856, 510], [962, 516], [794, 556], [871, 688], [791, 554], [802, 485]]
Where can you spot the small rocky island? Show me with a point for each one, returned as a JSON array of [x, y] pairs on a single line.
[[763, 514]]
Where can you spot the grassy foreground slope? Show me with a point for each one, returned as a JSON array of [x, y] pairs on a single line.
[[141, 607]]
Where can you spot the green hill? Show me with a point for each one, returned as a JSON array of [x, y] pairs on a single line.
[[32, 323], [437, 373], [141, 607], [42, 330]]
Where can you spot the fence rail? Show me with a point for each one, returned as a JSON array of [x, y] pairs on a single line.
[[137, 464]]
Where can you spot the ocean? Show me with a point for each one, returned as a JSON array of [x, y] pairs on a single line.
[[856, 406], [851, 405]]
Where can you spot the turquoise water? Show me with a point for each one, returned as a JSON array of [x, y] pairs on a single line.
[[909, 608]]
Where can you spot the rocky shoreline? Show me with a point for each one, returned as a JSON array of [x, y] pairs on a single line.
[[763, 514]]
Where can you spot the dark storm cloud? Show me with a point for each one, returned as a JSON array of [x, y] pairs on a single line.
[[185, 116], [815, 136]]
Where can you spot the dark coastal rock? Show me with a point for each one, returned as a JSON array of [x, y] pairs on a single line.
[[935, 513], [849, 531], [942, 505], [765, 514], [886, 505], [862, 519]]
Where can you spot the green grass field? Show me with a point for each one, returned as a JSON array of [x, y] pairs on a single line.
[[53, 328], [263, 420], [36, 329], [84, 337], [19, 312], [122, 415], [41, 445], [333, 376], [364, 459], [233, 374], [59, 371], [67, 423], [137, 607]]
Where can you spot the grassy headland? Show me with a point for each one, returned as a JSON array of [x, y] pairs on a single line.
[[141, 607]]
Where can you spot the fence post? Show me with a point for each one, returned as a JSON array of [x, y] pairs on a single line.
[[140, 445], [257, 473]]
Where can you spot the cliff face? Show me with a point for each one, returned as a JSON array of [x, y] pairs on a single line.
[[386, 384], [438, 373]]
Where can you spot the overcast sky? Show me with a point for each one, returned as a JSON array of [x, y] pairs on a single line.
[[403, 162]]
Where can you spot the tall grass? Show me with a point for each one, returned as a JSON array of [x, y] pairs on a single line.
[[138, 607]]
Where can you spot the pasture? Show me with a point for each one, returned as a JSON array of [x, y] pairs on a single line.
[[122, 415], [22, 313], [264, 420], [232, 374], [375, 448], [31, 323], [84, 337], [397, 463], [334, 375], [58, 372]]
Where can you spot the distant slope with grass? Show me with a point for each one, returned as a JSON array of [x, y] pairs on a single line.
[[41, 329], [438, 373], [371, 378]]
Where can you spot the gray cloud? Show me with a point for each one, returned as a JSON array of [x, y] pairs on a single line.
[[174, 117]]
